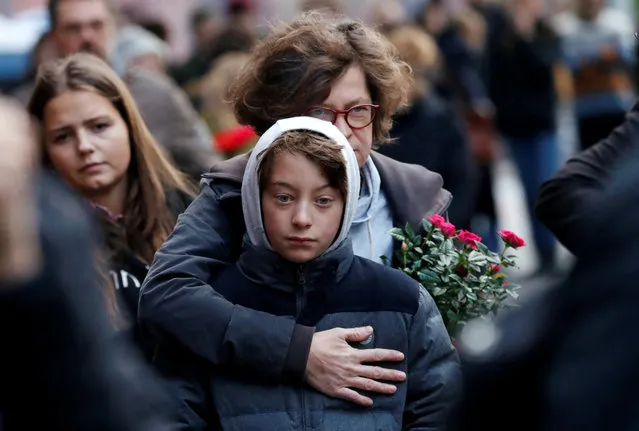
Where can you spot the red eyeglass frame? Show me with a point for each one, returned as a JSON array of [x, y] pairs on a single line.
[[345, 113]]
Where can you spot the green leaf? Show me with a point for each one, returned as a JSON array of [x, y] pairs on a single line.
[[476, 257], [482, 248], [452, 316], [426, 224], [398, 236], [409, 230], [427, 275], [438, 291], [512, 294], [445, 260]]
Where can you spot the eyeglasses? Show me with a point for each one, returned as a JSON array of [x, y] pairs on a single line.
[[357, 117]]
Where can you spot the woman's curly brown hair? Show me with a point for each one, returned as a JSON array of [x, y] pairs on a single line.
[[295, 66]]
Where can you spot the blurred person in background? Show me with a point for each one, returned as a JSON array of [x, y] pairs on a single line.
[[61, 367], [340, 71], [245, 15], [387, 15], [461, 38], [522, 59], [334, 8], [139, 48], [43, 51], [205, 24], [462, 80], [95, 139], [599, 49], [90, 26], [233, 36], [429, 131], [231, 138]]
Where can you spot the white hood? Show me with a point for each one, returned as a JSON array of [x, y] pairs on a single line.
[[251, 205]]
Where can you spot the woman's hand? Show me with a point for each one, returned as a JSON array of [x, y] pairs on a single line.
[[336, 369], [19, 243]]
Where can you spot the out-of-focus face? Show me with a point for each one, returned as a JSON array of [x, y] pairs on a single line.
[[87, 142], [206, 31], [302, 213], [348, 91], [84, 26], [589, 9]]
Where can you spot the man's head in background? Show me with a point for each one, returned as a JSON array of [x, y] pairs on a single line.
[[82, 26], [205, 26], [589, 9]]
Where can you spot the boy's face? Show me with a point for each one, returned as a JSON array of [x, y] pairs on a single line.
[[302, 214]]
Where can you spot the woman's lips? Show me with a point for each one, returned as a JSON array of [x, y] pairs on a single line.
[[91, 166]]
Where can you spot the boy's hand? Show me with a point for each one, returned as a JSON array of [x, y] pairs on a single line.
[[335, 368]]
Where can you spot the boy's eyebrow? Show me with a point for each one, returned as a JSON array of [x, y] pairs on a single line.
[[281, 184], [290, 186]]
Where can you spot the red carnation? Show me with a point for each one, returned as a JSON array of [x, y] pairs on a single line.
[[495, 268], [234, 138], [511, 239], [448, 229], [469, 238], [437, 220]]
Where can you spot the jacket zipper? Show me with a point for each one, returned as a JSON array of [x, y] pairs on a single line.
[[301, 290], [300, 300]]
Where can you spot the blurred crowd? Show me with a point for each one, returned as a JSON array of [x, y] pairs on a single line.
[[490, 77], [489, 80]]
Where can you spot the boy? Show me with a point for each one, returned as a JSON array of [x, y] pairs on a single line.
[[299, 196]]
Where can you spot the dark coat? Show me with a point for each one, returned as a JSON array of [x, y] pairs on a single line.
[[567, 203], [62, 366], [335, 290], [431, 134]]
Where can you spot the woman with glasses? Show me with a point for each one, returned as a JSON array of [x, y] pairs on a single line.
[[345, 73]]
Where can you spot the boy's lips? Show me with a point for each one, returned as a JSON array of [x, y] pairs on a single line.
[[300, 240]]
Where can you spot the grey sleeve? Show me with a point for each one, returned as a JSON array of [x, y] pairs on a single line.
[[434, 374]]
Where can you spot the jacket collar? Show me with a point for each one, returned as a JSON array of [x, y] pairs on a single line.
[[413, 191], [267, 268]]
